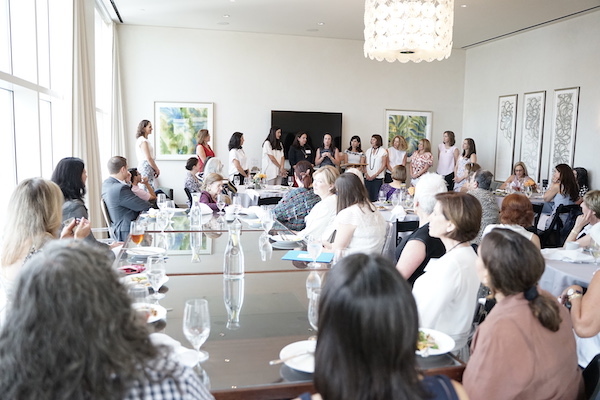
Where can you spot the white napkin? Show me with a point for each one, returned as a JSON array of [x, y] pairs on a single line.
[[594, 232], [205, 209], [185, 356], [567, 255], [256, 210], [399, 213], [253, 194]]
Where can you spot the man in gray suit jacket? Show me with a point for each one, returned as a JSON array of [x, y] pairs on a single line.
[[123, 205]]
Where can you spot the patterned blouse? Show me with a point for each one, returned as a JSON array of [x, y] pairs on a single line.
[[420, 162], [192, 183], [294, 207]]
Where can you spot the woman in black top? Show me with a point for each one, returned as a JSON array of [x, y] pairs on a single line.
[[300, 150]]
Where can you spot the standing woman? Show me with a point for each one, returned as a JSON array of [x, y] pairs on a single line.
[[396, 156], [327, 154], [238, 162], [300, 151], [297, 203], [525, 348], [203, 149], [420, 161], [273, 161], [446, 293], [447, 158], [145, 153], [354, 153], [469, 155], [376, 163]]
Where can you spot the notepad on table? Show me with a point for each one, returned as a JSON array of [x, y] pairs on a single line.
[[296, 255]]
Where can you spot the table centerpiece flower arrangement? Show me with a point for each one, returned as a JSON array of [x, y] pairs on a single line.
[[258, 180]]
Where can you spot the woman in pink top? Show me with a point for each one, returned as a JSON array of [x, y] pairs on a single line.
[[203, 150], [447, 157]]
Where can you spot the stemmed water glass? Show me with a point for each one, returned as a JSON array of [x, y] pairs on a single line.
[[290, 180], [382, 197], [314, 248], [136, 230], [196, 324], [236, 181], [156, 273], [161, 198], [595, 250], [236, 203], [221, 203], [395, 199], [268, 220]]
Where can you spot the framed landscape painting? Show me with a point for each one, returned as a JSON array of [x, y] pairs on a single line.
[[564, 127], [176, 126], [505, 137], [412, 125], [534, 106]]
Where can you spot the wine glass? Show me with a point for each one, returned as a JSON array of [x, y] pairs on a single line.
[[196, 324], [290, 180], [382, 197], [395, 199], [236, 181], [236, 202], [161, 198], [155, 270], [221, 203], [136, 230], [138, 294], [162, 220], [595, 251], [268, 220], [314, 248], [313, 308]]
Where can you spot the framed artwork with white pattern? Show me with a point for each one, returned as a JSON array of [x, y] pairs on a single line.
[[532, 131], [564, 127], [505, 137]]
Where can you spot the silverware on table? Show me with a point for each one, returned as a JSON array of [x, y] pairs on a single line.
[[282, 360]]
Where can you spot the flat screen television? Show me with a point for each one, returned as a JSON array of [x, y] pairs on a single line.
[[315, 124]]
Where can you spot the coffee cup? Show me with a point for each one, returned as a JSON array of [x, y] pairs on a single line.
[[571, 245]]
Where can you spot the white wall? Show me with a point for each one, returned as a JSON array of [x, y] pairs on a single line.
[[248, 75], [562, 55]]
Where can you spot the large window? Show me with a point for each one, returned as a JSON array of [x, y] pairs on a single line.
[[104, 59], [35, 75]]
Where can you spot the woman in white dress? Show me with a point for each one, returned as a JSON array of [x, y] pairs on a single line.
[[360, 227], [396, 156], [145, 153], [446, 293], [447, 158], [469, 155], [238, 162], [273, 161]]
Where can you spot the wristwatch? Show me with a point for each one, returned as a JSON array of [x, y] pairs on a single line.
[[573, 294]]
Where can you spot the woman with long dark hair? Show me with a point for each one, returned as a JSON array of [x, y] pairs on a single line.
[[238, 162], [525, 348], [273, 161], [375, 170], [300, 150], [89, 342], [354, 154], [364, 303], [360, 227], [145, 153], [203, 149], [298, 202], [581, 175], [327, 154], [468, 155], [563, 191]]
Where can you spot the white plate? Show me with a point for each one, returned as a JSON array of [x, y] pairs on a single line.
[[304, 363], [252, 222], [145, 251], [286, 238], [157, 312], [135, 279], [176, 210], [445, 343]]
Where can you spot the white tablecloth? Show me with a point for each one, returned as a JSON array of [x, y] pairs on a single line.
[[249, 197]]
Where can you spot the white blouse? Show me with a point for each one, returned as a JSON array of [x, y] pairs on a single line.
[[369, 235]]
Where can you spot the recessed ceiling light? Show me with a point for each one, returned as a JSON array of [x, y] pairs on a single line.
[[320, 23], [464, 6], [226, 16], [222, 23]]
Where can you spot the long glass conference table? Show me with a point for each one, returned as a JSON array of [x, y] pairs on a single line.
[[273, 300]]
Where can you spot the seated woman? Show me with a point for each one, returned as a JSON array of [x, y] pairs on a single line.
[[590, 217], [319, 221], [525, 347], [360, 227], [147, 193], [562, 191], [519, 179], [366, 302], [192, 183], [398, 182], [414, 252], [516, 213], [33, 218], [446, 294], [581, 175], [297, 203], [70, 176], [211, 188], [89, 341], [214, 166]]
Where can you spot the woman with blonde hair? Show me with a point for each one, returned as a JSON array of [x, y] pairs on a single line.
[[396, 156], [420, 161], [519, 179], [203, 149], [145, 153], [34, 217], [590, 217], [319, 221], [212, 187]]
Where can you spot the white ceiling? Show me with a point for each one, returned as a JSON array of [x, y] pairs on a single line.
[[479, 21]]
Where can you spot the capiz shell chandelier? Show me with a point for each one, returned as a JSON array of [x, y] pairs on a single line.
[[408, 30]]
